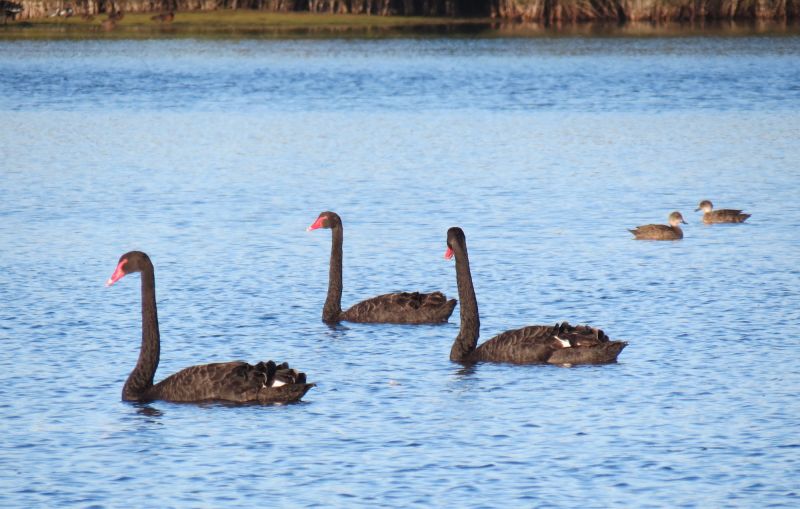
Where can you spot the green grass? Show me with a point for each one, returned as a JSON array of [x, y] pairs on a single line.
[[226, 23], [223, 24]]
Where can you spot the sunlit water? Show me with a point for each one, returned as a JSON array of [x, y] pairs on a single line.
[[213, 157]]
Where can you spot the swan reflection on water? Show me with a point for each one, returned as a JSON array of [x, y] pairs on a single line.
[[145, 415], [466, 371], [147, 410]]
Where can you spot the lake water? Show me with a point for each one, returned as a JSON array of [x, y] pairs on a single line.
[[214, 156]]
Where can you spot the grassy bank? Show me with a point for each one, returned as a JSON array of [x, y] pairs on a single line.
[[261, 24], [228, 23]]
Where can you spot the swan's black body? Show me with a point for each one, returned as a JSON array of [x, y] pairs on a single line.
[[235, 381], [401, 307], [535, 344]]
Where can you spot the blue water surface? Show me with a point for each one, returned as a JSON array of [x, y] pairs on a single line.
[[213, 157]]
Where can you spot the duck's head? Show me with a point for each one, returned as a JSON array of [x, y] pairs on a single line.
[[705, 206], [676, 218]]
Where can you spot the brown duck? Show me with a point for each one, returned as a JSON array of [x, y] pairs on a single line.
[[237, 381], [536, 344], [711, 216], [401, 307], [661, 231]]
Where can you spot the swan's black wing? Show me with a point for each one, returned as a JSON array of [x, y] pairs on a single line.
[[558, 344], [402, 307], [236, 381]]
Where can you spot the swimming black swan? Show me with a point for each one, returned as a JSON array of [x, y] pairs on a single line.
[[535, 344], [720, 216], [235, 381], [661, 231], [403, 307]]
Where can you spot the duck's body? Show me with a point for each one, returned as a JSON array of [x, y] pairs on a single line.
[[400, 307], [535, 344], [236, 382], [657, 232], [711, 216], [661, 231]]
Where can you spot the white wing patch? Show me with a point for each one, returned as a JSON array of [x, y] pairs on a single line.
[[564, 343]]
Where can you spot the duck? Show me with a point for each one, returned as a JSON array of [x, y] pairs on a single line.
[[661, 231], [711, 216]]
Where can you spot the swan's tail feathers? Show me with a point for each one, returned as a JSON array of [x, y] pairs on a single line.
[[448, 308], [602, 353], [434, 298], [282, 383], [417, 300], [286, 375], [583, 344], [438, 305], [288, 393], [276, 375], [580, 335]]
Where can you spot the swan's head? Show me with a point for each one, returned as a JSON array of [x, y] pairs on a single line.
[[705, 206], [676, 218], [455, 239], [133, 261], [326, 220]]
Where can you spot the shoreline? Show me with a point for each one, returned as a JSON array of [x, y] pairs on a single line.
[[261, 24]]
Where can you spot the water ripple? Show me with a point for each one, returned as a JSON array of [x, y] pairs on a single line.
[[214, 156]]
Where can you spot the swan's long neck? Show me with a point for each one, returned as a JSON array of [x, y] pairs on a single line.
[[333, 304], [141, 378], [467, 338]]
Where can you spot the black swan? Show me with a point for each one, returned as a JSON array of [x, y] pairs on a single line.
[[661, 231], [536, 344], [236, 381], [720, 216], [403, 307]]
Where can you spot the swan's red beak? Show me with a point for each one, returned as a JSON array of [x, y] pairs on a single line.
[[317, 223], [117, 275], [448, 255]]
